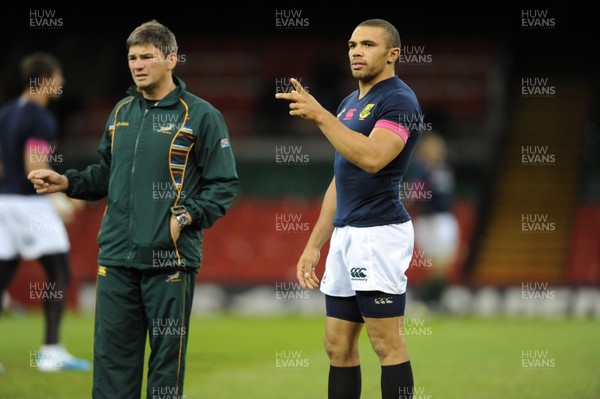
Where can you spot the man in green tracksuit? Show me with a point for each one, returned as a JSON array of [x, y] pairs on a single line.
[[168, 171]]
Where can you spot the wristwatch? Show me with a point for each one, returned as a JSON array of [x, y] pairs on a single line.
[[179, 212]]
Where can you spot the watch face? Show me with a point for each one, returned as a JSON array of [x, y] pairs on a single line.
[[183, 220]]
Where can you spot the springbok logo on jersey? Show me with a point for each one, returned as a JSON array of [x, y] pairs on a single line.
[[366, 111], [167, 128], [173, 278]]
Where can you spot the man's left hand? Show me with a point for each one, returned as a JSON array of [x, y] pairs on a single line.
[[175, 229]]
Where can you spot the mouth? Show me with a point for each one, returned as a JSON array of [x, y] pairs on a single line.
[[357, 64], [141, 76]]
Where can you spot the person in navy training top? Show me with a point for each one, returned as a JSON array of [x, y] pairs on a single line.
[[32, 226], [437, 233], [370, 232]]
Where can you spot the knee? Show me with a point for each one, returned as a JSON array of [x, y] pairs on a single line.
[[388, 347], [341, 352]]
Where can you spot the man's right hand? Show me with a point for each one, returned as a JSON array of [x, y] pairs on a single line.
[[46, 181], [305, 270]]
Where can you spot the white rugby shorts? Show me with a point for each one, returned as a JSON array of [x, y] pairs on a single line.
[[368, 259], [30, 228], [437, 235]]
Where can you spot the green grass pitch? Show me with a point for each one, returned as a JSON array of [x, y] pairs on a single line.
[[239, 357]]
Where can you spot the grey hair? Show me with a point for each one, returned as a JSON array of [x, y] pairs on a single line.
[[155, 33]]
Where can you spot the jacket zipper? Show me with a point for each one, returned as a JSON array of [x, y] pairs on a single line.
[[135, 146]]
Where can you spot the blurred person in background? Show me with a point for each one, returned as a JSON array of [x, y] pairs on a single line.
[[436, 227], [168, 172], [370, 231], [32, 226]]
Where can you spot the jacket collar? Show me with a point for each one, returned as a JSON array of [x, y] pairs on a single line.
[[169, 100]]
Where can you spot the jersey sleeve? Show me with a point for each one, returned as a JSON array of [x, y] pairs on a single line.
[[398, 113], [42, 132], [44, 127]]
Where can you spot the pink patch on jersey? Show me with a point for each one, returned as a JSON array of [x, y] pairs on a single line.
[[394, 127], [349, 114], [38, 146]]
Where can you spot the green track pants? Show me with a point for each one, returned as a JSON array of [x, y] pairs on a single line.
[[132, 304]]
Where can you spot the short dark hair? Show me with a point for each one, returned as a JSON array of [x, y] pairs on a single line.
[[390, 30], [153, 32], [37, 66]]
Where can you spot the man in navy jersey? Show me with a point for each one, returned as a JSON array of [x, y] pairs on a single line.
[[31, 226], [370, 230]]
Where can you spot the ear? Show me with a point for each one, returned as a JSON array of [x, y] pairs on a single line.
[[171, 60], [393, 55]]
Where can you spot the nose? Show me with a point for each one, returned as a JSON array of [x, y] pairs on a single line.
[[137, 63], [355, 52]]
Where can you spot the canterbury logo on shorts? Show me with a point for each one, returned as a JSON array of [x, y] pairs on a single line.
[[358, 273], [383, 301], [101, 270]]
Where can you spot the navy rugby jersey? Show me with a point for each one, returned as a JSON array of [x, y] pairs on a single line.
[[23, 124], [364, 199]]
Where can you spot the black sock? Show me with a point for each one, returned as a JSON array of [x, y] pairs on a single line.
[[397, 381], [7, 272], [344, 382], [57, 272]]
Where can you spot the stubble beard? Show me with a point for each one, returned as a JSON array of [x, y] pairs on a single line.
[[364, 76]]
